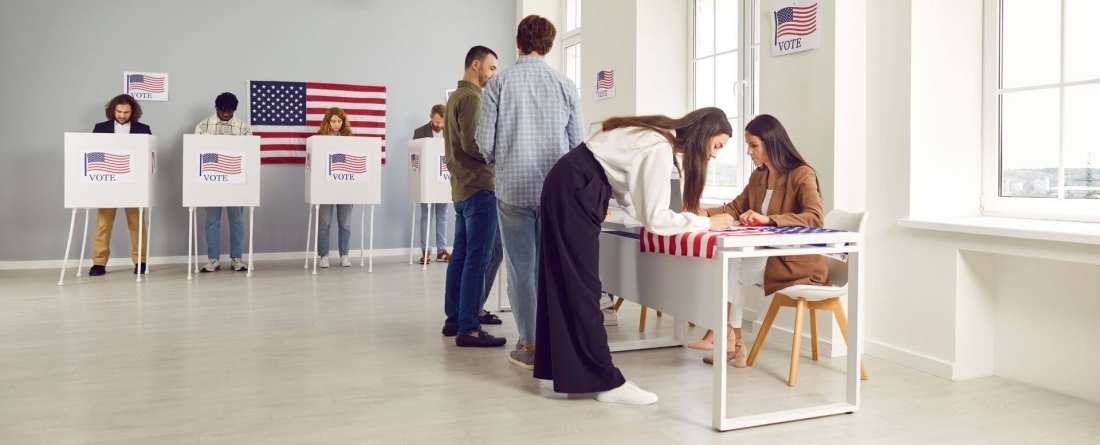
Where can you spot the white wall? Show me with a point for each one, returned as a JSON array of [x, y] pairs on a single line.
[[608, 32], [941, 302], [662, 55]]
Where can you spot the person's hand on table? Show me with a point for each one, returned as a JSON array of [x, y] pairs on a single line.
[[751, 218], [722, 221]]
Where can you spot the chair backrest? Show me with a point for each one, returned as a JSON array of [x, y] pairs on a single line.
[[850, 222]]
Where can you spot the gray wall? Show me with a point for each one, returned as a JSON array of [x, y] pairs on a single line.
[[60, 61]]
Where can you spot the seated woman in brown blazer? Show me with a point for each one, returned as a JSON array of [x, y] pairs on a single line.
[[783, 191]]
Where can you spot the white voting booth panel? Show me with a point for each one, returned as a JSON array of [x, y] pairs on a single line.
[[429, 181], [325, 186], [213, 183], [343, 170], [110, 171], [123, 178], [219, 171]]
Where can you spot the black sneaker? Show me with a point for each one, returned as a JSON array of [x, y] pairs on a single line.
[[450, 330], [483, 340], [489, 318], [96, 271], [136, 268]]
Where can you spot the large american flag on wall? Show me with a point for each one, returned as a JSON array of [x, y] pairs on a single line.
[[284, 114]]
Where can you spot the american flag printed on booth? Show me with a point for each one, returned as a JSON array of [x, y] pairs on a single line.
[[444, 173], [345, 163], [414, 162], [284, 114], [219, 163], [101, 162]]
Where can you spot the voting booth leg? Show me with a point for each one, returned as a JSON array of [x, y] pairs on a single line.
[[371, 268], [251, 224], [362, 231], [141, 227], [148, 245], [195, 230], [83, 243], [316, 232], [309, 230], [190, 235], [412, 237], [428, 236], [68, 245]]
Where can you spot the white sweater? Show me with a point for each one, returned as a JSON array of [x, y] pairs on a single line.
[[638, 164]]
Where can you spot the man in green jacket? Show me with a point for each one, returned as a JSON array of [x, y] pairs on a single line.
[[475, 204]]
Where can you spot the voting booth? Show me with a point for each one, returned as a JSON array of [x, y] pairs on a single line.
[[343, 170], [219, 171], [429, 181], [106, 170]]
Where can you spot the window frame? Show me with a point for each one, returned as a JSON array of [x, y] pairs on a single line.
[[568, 39], [991, 201], [748, 48]]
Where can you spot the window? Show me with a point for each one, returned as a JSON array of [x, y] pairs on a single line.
[[571, 41], [1042, 90], [725, 48]]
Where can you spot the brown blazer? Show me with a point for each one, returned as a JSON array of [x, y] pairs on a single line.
[[796, 201]]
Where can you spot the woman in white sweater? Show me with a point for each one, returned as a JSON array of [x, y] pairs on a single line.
[[631, 159]]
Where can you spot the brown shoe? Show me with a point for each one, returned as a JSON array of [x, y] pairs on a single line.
[[737, 355], [444, 256], [425, 257]]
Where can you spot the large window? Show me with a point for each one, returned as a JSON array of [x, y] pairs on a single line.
[[571, 41], [725, 49], [1042, 110]]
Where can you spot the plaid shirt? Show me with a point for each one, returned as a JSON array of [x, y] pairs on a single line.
[[530, 118], [214, 125]]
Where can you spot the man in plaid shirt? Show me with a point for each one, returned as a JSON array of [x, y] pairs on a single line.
[[223, 123], [530, 118]]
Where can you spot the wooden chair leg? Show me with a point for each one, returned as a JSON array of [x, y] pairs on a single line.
[[842, 323], [768, 320], [641, 323], [813, 334], [796, 343], [619, 303]]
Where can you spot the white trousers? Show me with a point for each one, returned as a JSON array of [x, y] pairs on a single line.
[[744, 273]]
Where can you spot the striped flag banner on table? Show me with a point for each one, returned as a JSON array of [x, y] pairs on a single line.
[[284, 114], [704, 244]]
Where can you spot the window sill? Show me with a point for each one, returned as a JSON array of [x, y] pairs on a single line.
[[1032, 229]]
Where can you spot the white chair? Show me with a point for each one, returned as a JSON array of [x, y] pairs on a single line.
[[806, 296]]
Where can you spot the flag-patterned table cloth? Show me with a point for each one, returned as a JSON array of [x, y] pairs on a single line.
[[704, 244]]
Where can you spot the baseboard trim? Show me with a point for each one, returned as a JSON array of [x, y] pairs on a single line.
[[163, 260], [909, 359]]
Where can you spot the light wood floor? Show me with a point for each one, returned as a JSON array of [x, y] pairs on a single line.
[[351, 357]]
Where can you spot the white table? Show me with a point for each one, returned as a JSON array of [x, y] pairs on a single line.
[[696, 288]]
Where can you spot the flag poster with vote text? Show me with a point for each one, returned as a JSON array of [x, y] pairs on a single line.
[[795, 29], [221, 168]]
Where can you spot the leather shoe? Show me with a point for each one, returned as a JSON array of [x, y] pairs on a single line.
[[96, 271]]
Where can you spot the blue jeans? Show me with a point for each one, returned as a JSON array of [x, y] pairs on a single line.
[[439, 214], [343, 218], [475, 226], [519, 231], [213, 232], [492, 269]]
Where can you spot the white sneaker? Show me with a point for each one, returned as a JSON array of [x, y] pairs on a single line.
[[610, 317], [324, 262], [344, 261], [606, 301], [237, 265], [211, 265], [628, 394]]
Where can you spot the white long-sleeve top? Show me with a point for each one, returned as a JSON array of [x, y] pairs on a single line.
[[638, 164]]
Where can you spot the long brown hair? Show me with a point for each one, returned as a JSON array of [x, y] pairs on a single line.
[[692, 135], [123, 99], [326, 129], [781, 152]]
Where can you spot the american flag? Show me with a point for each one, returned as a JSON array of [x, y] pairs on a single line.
[[414, 162], [99, 161], [142, 82], [342, 162], [219, 163], [605, 80], [443, 167], [284, 114], [795, 21], [704, 244]]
